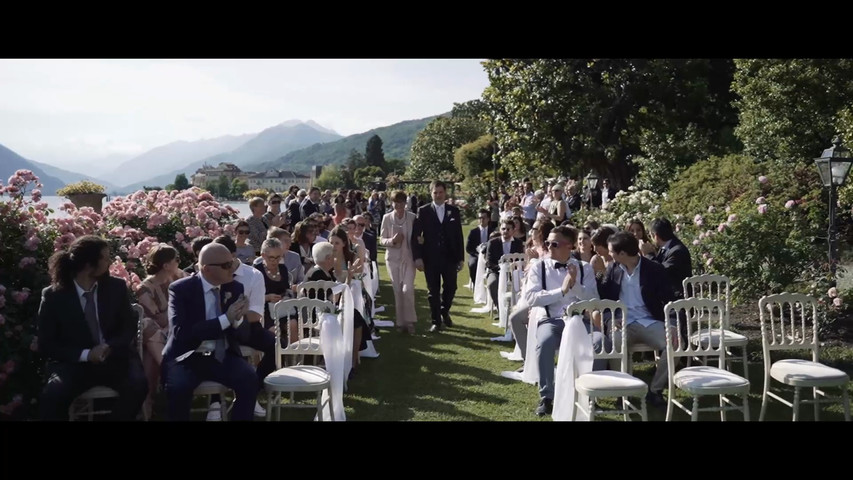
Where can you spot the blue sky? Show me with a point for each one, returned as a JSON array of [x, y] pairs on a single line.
[[73, 113]]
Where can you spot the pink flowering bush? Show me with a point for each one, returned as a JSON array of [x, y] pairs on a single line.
[[29, 235]]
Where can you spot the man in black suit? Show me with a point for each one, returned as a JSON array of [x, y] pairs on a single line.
[[476, 237], [206, 329], [642, 286], [438, 252], [608, 193], [362, 231], [673, 255], [499, 247], [311, 204], [86, 329]]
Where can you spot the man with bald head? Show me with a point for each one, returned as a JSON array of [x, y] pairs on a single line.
[[206, 328]]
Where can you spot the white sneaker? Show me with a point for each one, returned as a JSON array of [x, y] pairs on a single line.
[[259, 410], [214, 414], [369, 352]]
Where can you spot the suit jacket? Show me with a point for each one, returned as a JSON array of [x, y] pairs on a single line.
[[574, 202], [677, 263], [474, 240], [63, 332], [654, 286], [496, 251], [188, 322], [392, 253], [433, 231], [370, 242], [307, 208], [593, 198]]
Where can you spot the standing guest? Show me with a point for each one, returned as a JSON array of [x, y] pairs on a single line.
[[161, 265], [495, 209], [557, 208], [294, 212], [529, 204], [364, 236], [274, 216], [204, 343], [439, 254], [503, 245], [544, 204], [258, 225], [311, 204], [197, 245], [326, 206], [641, 284], [673, 255], [476, 237], [340, 213], [86, 329], [396, 231], [574, 201], [607, 193], [553, 284], [245, 251], [413, 204], [291, 195], [593, 197]]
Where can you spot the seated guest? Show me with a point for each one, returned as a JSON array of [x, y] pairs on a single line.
[[553, 284], [86, 329], [362, 223], [204, 343], [497, 248], [197, 245], [258, 224], [304, 237], [476, 237], [585, 250], [601, 260], [642, 285], [290, 259], [161, 264], [276, 280], [245, 252]]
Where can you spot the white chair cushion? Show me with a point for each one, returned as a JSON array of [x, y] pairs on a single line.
[[708, 380], [299, 378], [209, 388], [805, 373], [732, 339], [98, 392], [609, 381]]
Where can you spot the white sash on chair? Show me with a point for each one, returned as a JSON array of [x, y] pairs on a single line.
[[375, 279], [481, 296], [332, 340], [575, 359]]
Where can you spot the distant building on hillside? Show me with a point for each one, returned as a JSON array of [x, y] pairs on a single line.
[[278, 180], [207, 174]]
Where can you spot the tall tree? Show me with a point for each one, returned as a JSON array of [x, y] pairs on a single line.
[[435, 146], [791, 108], [181, 182], [581, 115], [373, 154], [355, 160], [238, 187], [223, 187]]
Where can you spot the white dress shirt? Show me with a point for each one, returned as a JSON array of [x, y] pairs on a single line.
[[631, 296], [253, 287], [528, 206], [84, 356], [439, 211], [507, 247], [604, 196], [552, 296]]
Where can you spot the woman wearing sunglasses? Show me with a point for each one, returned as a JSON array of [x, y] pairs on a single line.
[[245, 252]]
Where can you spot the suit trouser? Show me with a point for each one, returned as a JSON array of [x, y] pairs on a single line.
[[68, 380], [181, 378], [440, 271], [261, 340], [402, 275], [518, 323], [472, 268], [549, 335], [492, 285], [654, 336]]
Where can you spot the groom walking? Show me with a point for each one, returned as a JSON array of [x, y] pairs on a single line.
[[438, 252]]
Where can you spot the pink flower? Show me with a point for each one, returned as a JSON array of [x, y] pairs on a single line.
[[2, 320], [698, 220], [32, 243], [837, 301], [709, 261], [26, 261], [762, 179], [721, 228], [696, 241], [179, 237], [790, 204], [760, 200], [711, 209], [732, 218], [21, 296], [2, 289], [832, 292], [762, 209]]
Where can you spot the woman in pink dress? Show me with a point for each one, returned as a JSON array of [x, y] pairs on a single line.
[[396, 236], [161, 264]]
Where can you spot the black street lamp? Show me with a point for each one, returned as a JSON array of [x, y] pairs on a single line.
[[592, 180], [833, 167]]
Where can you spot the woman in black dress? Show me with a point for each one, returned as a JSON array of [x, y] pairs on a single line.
[[276, 279]]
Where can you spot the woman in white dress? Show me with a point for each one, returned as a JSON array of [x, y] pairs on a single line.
[[396, 236]]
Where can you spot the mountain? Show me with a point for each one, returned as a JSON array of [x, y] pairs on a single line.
[[266, 146], [66, 176], [397, 142], [166, 157], [11, 162]]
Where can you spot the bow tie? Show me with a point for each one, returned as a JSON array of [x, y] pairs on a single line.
[[561, 265]]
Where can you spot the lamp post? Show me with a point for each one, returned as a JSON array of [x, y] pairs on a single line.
[[833, 167], [592, 180]]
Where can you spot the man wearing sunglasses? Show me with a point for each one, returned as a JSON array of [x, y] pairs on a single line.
[[363, 233], [499, 247], [553, 284], [206, 329], [438, 252]]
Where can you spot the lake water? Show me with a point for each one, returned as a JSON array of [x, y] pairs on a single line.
[[55, 202]]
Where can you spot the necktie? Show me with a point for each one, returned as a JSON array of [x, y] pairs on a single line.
[[560, 265], [219, 350], [91, 315]]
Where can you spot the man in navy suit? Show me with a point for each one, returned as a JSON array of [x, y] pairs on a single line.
[[642, 285], [437, 250], [673, 255], [499, 247], [206, 328], [476, 237], [86, 329]]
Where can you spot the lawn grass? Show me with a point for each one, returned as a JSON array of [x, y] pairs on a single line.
[[455, 375]]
